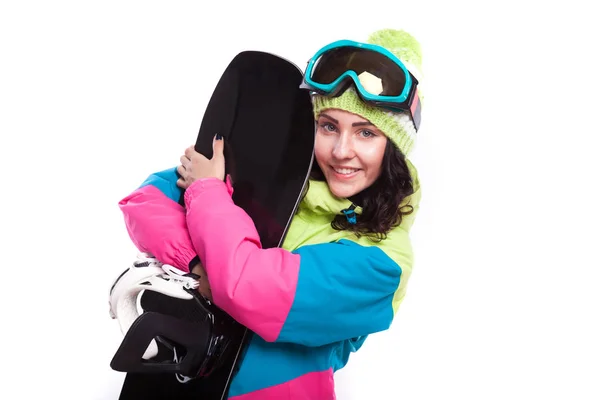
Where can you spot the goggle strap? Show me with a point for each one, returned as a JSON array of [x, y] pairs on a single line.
[[415, 111]]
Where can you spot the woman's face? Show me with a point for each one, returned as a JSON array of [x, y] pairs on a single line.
[[349, 150]]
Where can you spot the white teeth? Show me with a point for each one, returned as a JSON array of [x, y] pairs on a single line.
[[345, 171]]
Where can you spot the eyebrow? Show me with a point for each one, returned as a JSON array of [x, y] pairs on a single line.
[[366, 123], [330, 118]]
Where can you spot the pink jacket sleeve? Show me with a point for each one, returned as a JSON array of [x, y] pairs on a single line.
[[156, 222], [317, 294], [231, 258]]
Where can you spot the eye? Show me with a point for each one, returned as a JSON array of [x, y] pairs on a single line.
[[328, 126], [367, 134]]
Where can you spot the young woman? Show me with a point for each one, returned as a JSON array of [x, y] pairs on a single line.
[[346, 260]]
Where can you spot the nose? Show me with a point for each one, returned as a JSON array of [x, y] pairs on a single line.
[[343, 148]]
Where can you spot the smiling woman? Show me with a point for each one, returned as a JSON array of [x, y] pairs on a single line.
[[349, 150], [344, 266], [360, 163]]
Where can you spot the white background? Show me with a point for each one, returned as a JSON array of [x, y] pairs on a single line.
[[504, 300]]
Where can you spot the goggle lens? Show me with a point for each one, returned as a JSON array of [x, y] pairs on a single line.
[[378, 74]]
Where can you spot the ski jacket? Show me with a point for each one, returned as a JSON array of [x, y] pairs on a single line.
[[309, 304]]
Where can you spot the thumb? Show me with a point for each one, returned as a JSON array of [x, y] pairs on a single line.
[[218, 146]]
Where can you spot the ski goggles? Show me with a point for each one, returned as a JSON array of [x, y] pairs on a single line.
[[380, 78]]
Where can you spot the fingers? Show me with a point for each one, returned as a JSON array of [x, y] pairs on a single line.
[[182, 172], [189, 152], [218, 146], [196, 166], [185, 161]]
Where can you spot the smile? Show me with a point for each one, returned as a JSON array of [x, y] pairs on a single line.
[[345, 172]]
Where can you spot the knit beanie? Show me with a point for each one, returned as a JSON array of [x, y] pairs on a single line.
[[397, 126]]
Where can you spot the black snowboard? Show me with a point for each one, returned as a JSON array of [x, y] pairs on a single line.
[[268, 128]]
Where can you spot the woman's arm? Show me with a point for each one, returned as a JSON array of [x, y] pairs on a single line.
[[315, 295]]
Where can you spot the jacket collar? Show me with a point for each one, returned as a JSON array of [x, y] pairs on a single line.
[[320, 201]]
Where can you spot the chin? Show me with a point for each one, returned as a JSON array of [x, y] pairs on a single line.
[[342, 192]]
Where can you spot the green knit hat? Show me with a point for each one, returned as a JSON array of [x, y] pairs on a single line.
[[397, 126]]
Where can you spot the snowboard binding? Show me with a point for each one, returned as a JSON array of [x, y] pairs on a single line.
[[178, 330]]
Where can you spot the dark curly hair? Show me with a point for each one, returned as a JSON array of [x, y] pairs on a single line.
[[381, 201]]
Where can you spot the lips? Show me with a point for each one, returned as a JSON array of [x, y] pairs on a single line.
[[345, 171]]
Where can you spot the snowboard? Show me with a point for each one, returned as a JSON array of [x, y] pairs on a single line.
[[268, 127]]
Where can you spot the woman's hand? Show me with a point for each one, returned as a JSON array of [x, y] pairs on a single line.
[[204, 287], [195, 166]]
